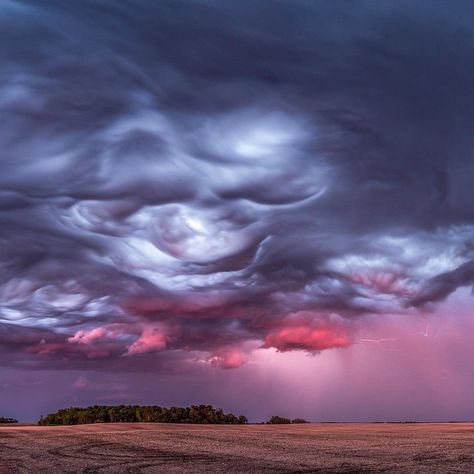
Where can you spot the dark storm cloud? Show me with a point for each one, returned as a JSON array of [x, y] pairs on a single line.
[[200, 179]]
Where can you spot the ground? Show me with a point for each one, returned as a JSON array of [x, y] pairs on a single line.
[[176, 448]]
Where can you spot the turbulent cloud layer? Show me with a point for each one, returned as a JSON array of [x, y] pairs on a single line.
[[183, 183]]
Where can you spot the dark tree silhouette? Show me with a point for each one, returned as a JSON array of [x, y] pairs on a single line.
[[278, 420], [7, 420], [136, 413]]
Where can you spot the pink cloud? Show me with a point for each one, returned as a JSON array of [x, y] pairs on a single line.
[[229, 359], [147, 338], [110, 333], [151, 340], [384, 282], [87, 337], [306, 338]]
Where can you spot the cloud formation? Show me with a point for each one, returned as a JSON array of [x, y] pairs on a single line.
[[188, 182]]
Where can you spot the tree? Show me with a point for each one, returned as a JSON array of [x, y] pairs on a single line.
[[7, 420], [138, 413], [278, 420], [242, 420]]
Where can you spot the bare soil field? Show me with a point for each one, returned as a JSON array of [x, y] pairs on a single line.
[[174, 448]]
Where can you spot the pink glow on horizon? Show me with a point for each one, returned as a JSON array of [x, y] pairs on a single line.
[[399, 367]]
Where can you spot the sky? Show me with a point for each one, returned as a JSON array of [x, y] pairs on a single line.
[[265, 206]]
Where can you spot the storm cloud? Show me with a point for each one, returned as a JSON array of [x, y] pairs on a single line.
[[183, 183]]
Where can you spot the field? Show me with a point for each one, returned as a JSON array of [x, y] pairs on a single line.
[[169, 448]]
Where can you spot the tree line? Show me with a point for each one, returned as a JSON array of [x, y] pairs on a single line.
[[280, 420], [7, 420], [202, 414]]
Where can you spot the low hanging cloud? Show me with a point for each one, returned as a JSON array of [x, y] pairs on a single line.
[[191, 182], [305, 338]]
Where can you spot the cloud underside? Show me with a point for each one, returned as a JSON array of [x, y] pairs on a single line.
[[190, 182]]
